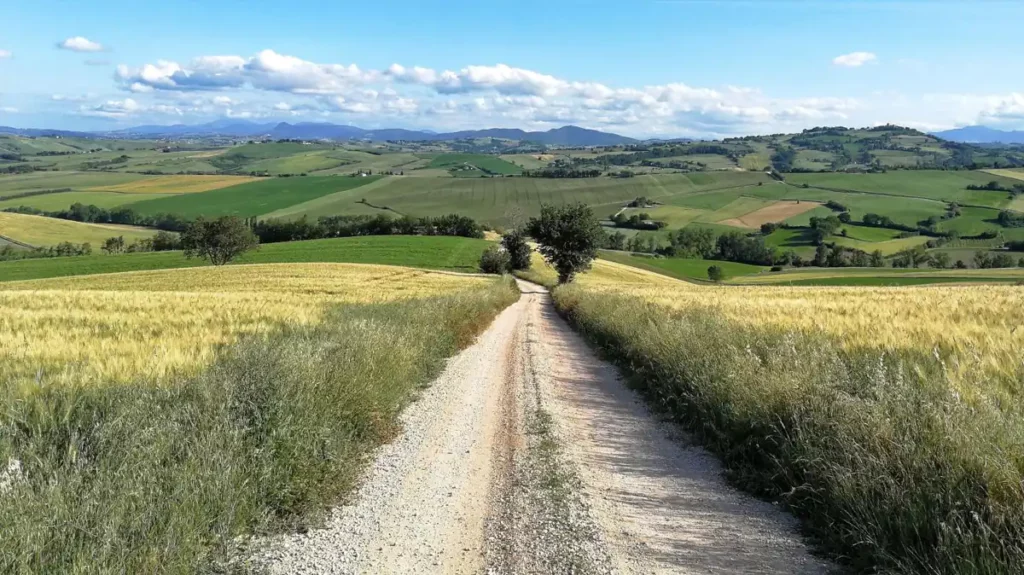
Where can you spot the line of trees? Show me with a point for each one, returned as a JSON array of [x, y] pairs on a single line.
[[92, 214], [273, 231], [562, 172]]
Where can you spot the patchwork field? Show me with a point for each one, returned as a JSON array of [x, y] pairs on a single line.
[[175, 184], [494, 200], [252, 199], [13, 184], [39, 231], [485, 163], [776, 212]]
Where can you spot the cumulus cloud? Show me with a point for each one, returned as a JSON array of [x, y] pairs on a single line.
[[267, 70], [473, 96], [80, 44], [5, 54], [854, 59]]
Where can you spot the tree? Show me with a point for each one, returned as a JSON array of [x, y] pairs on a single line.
[[820, 256], [877, 260], [569, 237], [514, 242], [715, 274], [616, 241], [495, 260], [940, 260], [113, 245], [219, 241]]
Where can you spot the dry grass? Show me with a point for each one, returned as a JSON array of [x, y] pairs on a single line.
[[113, 327], [175, 184]]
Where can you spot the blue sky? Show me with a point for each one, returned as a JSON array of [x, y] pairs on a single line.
[[637, 67]]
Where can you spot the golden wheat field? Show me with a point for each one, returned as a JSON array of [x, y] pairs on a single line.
[[115, 327], [972, 326], [175, 184]]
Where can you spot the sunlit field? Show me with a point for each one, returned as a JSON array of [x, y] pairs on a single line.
[[888, 418], [110, 328]]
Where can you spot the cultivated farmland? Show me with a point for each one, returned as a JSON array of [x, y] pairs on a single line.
[[154, 324], [39, 231], [252, 199]]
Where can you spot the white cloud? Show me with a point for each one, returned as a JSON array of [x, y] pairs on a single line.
[[8, 110], [854, 59], [5, 54], [69, 98], [80, 44], [269, 84], [267, 70]]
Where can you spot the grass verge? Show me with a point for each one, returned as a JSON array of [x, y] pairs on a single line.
[[886, 464], [145, 478]]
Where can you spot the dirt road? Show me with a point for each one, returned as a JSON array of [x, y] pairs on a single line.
[[529, 456]]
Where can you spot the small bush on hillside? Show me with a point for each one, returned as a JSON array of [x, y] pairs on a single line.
[[715, 274], [495, 260]]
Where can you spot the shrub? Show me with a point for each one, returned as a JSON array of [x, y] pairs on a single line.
[[495, 260], [715, 274]]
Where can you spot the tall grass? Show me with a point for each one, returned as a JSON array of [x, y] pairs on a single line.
[[891, 467], [145, 478]]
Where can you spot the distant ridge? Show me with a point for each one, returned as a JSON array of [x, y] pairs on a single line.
[[981, 135], [564, 136]]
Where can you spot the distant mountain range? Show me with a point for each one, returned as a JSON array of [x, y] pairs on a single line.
[[565, 136], [981, 135]]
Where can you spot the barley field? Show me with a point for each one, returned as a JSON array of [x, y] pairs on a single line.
[[153, 324]]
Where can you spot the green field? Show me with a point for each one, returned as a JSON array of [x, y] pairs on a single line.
[[681, 268], [63, 200], [254, 198], [486, 163], [431, 252], [945, 186], [494, 200]]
